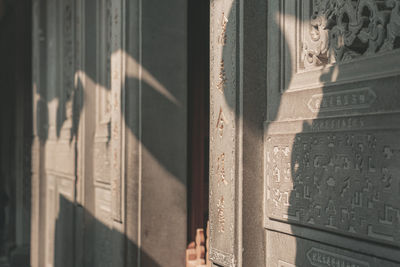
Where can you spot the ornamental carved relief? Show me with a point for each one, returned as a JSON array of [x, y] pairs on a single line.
[[342, 30]]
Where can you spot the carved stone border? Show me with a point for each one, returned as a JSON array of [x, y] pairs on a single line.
[[222, 258]]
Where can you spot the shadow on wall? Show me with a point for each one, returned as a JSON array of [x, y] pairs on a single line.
[[64, 239], [318, 167], [164, 88], [326, 174], [151, 92]]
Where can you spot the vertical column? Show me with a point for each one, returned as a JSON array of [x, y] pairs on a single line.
[[40, 123], [117, 131], [224, 134], [80, 128], [78, 97], [117, 108], [35, 163]]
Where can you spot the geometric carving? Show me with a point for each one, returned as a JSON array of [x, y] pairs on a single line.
[[322, 258], [222, 258], [347, 182], [341, 30]]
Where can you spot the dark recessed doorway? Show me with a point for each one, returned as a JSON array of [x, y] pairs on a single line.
[[198, 88]]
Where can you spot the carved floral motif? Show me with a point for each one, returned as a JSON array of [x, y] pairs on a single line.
[[341, 30]]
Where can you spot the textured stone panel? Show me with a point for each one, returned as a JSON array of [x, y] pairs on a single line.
[[60, 157], [341, 176], [101, 162], [313, 38], [288, 251], [103, 236]]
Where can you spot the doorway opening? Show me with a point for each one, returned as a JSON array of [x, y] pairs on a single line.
[[198, 101], [15, 133]]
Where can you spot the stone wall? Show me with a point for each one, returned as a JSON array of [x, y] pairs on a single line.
[[110, 96]]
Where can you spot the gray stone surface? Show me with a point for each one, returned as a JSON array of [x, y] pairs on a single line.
[[224, 139], [110, 140], [304, 157], [287, 251], [330, 138], [254, 101]]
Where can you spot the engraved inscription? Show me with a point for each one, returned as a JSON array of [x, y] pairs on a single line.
[[221, 77], [346, 182], [221, 123], [321, 258], [222, 37], [349, 99], [221, 215], [337, 124], [223, 134], [341, 30], [221, 169]]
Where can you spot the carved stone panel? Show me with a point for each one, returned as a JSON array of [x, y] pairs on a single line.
[[317, 36], [331, 136], [343, 181], [223, 139], [103, 138], [340, 31], [109, 105], [286, 251], [102, 165]]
